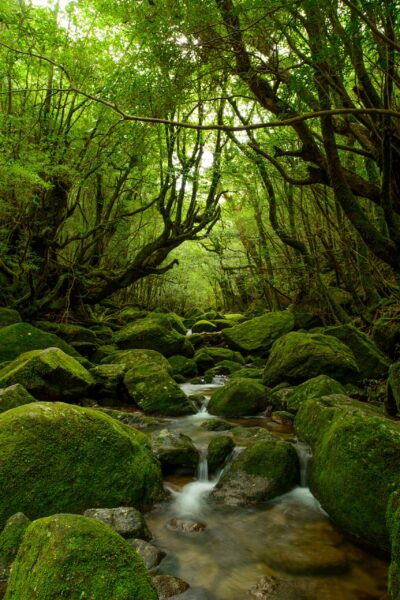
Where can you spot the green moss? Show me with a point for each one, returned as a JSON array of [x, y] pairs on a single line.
[[393, 525], [356, 464], [175, 451], [209, 356], [154, 333], [75, 557], [13, 396], [322, 385], [225, 367], [203, 325], [9, 316], [298, 356], [372, 363], [249, 373], [238, 398], [58, 457], [258, 334], [48, 374], [386, 334], [181, 365], [23, 337], [393, 388], [68, 331], [10, 539], [134, 359], [219, 449]]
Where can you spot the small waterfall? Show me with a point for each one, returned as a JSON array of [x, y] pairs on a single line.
[[304, 453], [189, 332], [202, 469]]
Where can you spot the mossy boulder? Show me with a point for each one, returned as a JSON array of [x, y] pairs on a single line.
[[204, 325], [109, 387], [75, 557], [239, 398], [322, 385], [23, 337], [181, 365], [225, 367], [249, 373], [258, 334], [264, 470], [172, 320], [372, 363], [59, 457], [209, 356], [393, 525], [386, 334], [356, 463], [175, 451], [134, 359], [13, 396], [219, 449], [69, 332], [299, 356], [10, 541], [9, 316], [154, 333], [48, 375]]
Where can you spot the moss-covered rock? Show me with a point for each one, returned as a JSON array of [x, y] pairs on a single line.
[[209, 356], [322, 385], [249, 373], [298, 356], [386, 334], [258, 334], [393, 525], [239, 398], [48, 374], [9, 316], [216, 425], [181, 365], [356, 463], [10, 541], [109, 387], [13, 396], [175, 451], [156, 392], [69, 331], [372, 363], [219, 449], [154, 333], [135, 359], [75, 557], [266, 469], [134, 419], [23, 337], [58, 457], [172, 320], [203, 325], [225, 367]]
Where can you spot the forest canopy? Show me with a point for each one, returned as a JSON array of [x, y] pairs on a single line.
[[223, 152]]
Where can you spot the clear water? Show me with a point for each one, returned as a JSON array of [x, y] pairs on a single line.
[[291, 537]]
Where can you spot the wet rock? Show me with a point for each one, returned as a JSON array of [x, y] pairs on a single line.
[[175, 451], [282, 417], [262, 471], [225, 367], [219, 449], [13, 396], [257, 335], [238, 398], [273, 588], [151, 555], [134, 419], [168, 585], [125, 520], [187, 526], [298, 356]]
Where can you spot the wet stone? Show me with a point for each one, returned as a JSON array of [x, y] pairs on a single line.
[[168, 586], [125, 520], [187, 526], [151, 555]]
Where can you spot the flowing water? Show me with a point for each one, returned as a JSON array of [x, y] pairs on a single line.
[[290, 537]]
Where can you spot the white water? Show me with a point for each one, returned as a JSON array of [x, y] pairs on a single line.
[[304, 453]]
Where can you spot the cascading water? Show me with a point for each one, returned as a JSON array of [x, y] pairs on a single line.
[[190, 502], [304, 453]]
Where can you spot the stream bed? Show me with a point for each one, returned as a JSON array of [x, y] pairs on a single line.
[[291, 537]]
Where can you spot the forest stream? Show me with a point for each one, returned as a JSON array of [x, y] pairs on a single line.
[[290, 537]]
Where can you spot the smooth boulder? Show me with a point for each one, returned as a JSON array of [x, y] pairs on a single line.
[[298, 356], [75, 557], [175, 451], [58, 457]]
